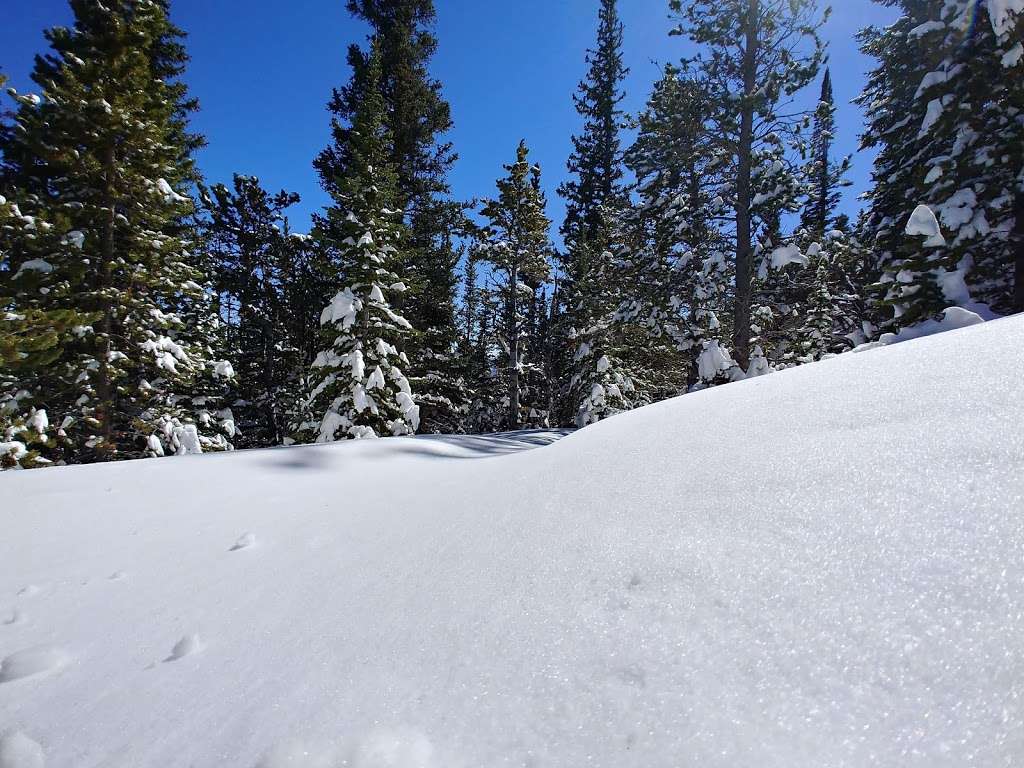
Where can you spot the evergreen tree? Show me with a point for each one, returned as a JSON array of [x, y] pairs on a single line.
[[674, 257], [753, 55], [595, 200], [517, 246], [97, 167], [358, 389], [255, 260], [824, 176], [416, 116], [945, 112]]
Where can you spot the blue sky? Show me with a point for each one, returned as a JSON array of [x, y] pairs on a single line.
[[263, 71]]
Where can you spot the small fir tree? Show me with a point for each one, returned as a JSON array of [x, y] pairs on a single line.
[[358, 389], [518, 247]]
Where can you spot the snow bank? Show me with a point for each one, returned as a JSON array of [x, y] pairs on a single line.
[[952, 319], [821, 567]]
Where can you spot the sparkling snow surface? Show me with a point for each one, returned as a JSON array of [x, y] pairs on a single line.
[[820, 568]]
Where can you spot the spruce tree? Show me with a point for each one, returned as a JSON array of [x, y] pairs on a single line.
[[753, 55], [98, 166], [254, 262], [596, 199], [674, 258], [944, 109], [518, 247], [416, 117], [824, 176], [358, 389]]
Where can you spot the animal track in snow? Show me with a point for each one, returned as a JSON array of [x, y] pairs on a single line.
[[187, 646], [16, 617], [29, 591], [117, 576], [245, 541], [32, 661], [19, 751]]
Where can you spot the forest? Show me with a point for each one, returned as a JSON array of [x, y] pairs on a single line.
[[146, 311]]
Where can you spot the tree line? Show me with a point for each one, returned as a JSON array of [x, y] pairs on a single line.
[[146, 313]]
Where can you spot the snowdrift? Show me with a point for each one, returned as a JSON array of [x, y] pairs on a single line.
[[823, 567]]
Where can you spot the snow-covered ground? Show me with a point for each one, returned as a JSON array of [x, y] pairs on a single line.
[[821, 568]]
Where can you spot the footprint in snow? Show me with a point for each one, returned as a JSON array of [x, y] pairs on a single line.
[[32, 661], [19, 751], [117, 576], [29, 591], [16, 617], [187, 646], [245, 541]]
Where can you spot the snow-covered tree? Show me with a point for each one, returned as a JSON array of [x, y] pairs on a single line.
[[596, 199], [517, 245], [673, 259], [358, 388], [262, 292], [97, 169], [752, 56], [945, 108], [416, 117], [824, 176]]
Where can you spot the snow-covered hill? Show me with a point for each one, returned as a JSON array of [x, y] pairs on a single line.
[[823, 567]]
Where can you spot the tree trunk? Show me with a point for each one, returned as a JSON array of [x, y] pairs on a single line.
[[513, 347], [744, 250], [1018, 246]]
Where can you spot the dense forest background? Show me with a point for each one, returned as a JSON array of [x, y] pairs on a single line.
[[705, 238]]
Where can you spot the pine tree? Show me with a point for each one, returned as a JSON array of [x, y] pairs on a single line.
[[416, 116], [753, 55], [674, 257], [358, 389], [946, 116], [824, 176], [518, 247], [254, 261], [596, 199], [98, 167]]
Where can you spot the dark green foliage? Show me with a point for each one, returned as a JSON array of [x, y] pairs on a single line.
[[357, 389], [98, 169], [517, 246], [265, 288], [416, 117], [946, 112]]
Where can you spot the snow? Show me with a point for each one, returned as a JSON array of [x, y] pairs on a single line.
[[820, 567], [926, 28], [76, 239], [343, 309], [34, 265], [39, 421], [14, 448], [923, 222], [713, 360], [1001, 12], [788, 254], [1013, 56], [223, 369], [958, 209], [245, 541], [931, 117], [186, 646], [32, 661], [19, 751], [952, 319], [168, 193]]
